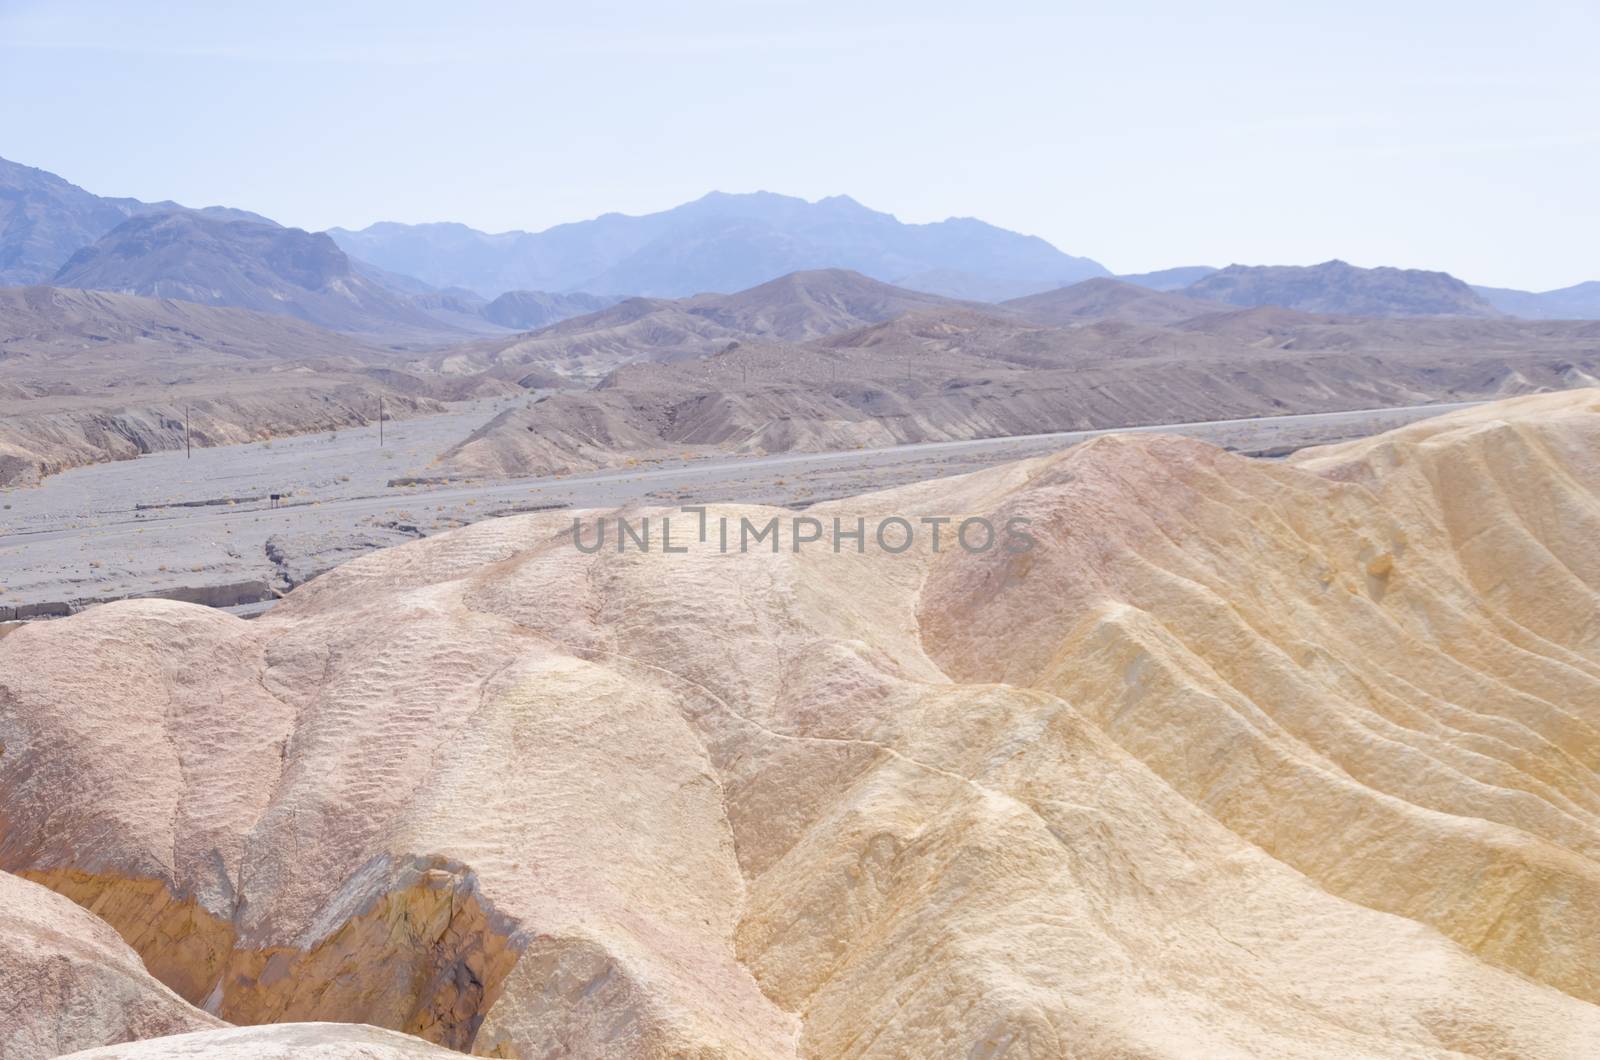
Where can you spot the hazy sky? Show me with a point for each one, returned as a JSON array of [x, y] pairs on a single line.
[[1459, 136]]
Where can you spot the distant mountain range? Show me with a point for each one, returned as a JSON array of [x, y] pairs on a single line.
[[52, 231], [433, 283], [44, 220], [722, 243]]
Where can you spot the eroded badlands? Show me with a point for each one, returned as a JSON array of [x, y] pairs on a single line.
[[1242, 759]]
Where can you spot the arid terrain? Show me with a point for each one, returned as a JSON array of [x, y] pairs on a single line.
[[774, 531], [767, 627], [1239, 758], [696, 394], [204, 527], [723, 375], [811, 361], [87, 376], [1339, 287]]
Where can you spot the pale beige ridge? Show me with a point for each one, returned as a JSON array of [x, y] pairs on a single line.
[[1242, 759]]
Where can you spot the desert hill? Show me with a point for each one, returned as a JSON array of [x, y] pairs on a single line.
[[1105, 298], [956, 373], [722, 242], [243, 264], [1578, 302], [57, 327], [1103, 797], [44, 220], [803, 305], [531, 310], [1340, 288], [594, 343], [808, 305], [87, 376], [460, 310], [1452, 339], [1105, 316], [1174, 279]]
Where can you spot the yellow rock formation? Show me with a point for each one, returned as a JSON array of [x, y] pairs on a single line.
[[67, 981], [1240, 759]]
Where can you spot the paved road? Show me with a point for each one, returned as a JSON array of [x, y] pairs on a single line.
[[83, 534]]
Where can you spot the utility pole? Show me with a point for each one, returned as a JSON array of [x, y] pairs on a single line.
[[380, 421], [188, 451]]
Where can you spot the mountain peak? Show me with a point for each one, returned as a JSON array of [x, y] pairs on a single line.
[[248, 264], [45, 218]]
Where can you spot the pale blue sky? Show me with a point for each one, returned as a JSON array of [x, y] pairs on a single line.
[[1460, 136]]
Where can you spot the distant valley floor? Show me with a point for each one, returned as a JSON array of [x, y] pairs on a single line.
[[206, 528]]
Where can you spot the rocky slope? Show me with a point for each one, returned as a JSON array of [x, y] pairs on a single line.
[[68, 982], [1340, 288], [530, 310], [1579, 302], [46, 327], [87, 376], [1174, 279], [1108, 299], [44, 220], [246, 265], [1238, 759], [796, 307], [957, 373], [43, 436]]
